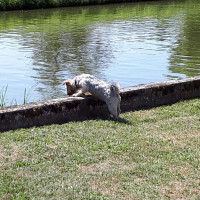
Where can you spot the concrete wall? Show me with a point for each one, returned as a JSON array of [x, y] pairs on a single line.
[[58, 111]]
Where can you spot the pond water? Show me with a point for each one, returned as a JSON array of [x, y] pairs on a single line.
[[133, 43]]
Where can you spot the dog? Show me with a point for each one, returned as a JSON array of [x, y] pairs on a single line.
[[109, 93]]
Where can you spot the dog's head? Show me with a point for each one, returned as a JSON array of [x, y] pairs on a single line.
[[70, 88]]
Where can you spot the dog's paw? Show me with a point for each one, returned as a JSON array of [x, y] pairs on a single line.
[[87, 94], [77, 95]]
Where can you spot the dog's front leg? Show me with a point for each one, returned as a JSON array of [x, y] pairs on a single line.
[[118, 106], [78, 93]]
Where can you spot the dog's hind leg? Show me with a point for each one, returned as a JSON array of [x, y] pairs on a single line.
[[118, 106], [118, 109]]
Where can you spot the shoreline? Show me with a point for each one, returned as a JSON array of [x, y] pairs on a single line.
[[14, 5]]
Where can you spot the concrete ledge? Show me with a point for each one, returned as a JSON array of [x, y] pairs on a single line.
[[59, 111], [157, 94]]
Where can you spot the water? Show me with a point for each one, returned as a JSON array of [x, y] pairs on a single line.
[[132, 44]]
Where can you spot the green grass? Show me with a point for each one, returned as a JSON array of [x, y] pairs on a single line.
[[2, 96], [148, 154], [27, 4], [3, 91]]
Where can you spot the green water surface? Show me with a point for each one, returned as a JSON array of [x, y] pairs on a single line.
[[133, 43]]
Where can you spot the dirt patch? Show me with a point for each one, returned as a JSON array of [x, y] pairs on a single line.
[[105, 186], [9, 156], [102, 166], [180, 139], [175, 190], [103, 179], [110, 164]]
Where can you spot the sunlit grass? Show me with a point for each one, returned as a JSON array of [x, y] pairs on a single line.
[[24, 4], [3, 92], [2, 96], [147, 154]]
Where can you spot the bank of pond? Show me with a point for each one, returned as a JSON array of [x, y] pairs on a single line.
[[6, 5]]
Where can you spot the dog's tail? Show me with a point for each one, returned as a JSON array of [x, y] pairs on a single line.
[[115, 88]]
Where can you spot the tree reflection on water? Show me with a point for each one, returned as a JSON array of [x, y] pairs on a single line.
[[119, 41]]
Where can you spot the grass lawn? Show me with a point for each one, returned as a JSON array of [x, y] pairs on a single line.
[[150, 154]]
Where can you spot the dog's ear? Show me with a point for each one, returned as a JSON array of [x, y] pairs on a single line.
[[66, 82], [68, 86]]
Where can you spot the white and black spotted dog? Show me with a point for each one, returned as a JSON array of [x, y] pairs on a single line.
[[108, 93]]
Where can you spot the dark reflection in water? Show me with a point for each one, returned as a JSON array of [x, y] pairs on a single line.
[[129, 43], [185, 54]]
